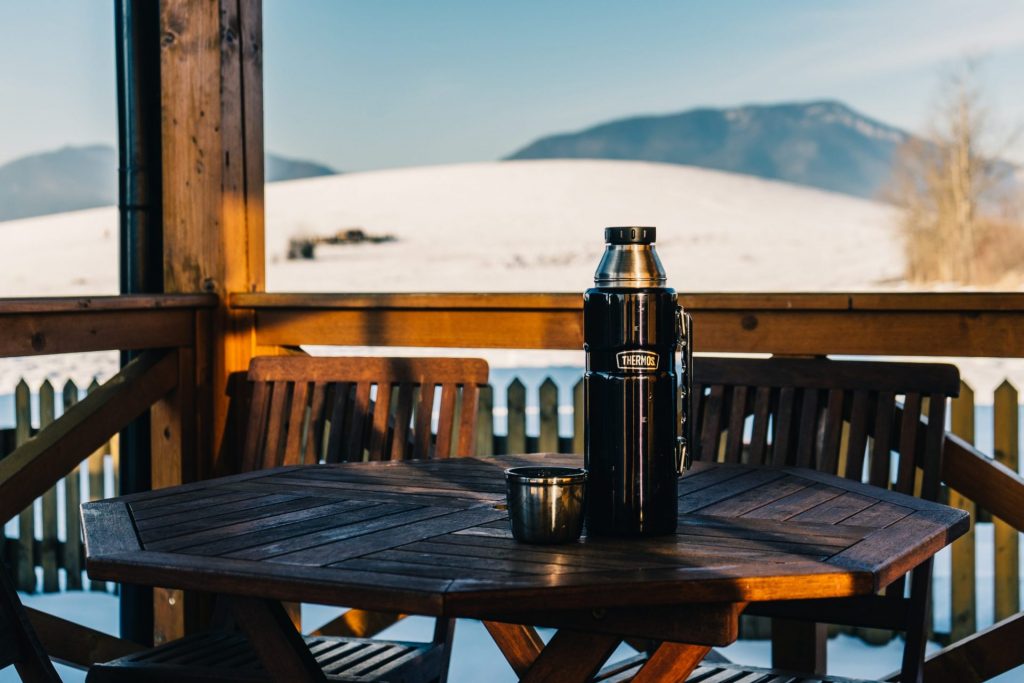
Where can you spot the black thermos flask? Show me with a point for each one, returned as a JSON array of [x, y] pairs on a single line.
[[635, 393]]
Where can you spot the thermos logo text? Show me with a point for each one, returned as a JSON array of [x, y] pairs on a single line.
[[638, 361]]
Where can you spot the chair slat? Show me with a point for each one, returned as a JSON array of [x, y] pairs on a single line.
[[467, 422], [881, 458], [296, 424], [807, 429], [379, 428], [272, 449], [424, 413], [403, 415], [783, 427], [737, 420], [858, 436], [935, 436], [443, 446], [711, 429], [697, 399], [317, 419], [339, 410], [908, 443], [828, 458], [759, 436], [256, 432], [358, 426]]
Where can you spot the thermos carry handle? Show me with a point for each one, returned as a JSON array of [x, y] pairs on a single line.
[[684, 342]]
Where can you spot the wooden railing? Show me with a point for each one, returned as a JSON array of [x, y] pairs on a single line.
[[970, 324], [863, 324], [166, 329], [174, 328]]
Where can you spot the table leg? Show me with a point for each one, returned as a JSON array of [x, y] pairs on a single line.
[[571, 656], [671, 662], [281, 649], [519, 643]]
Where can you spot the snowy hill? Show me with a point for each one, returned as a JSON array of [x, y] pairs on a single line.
[[537, 226], [511, 226]]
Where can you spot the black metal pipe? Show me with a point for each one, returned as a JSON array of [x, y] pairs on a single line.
[[137, 31]]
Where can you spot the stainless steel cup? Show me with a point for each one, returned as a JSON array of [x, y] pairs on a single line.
[[545, 504]]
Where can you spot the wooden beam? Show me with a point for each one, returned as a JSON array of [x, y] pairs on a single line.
[[671, 662], [520, 644], [991, 484], [212, 110], [77, 645], [705, 624], [571, 656], [33, 334], [979, 657], [809, 324], [34, 466]]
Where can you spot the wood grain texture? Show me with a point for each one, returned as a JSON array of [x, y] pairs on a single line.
[[287, 420], [519, 643], [33, 467], [318, 533], [792, 324]]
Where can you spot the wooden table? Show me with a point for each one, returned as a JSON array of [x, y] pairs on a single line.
[[432, 538]]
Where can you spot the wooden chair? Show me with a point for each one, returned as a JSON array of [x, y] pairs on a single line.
[[19, 645], [878, 422], [306, 410]]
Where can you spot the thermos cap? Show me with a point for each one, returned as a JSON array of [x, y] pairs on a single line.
[[630, 235], [629, 259]]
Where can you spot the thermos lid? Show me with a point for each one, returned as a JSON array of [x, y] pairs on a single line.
[[629, 259], [630, 235]]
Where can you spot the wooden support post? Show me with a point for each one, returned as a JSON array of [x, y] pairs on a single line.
[[799, 646], [1007, 560], [211, 100], [962, 585]]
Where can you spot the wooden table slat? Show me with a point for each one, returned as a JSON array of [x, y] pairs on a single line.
[[432, 537]]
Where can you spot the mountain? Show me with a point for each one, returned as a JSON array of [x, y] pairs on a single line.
[[821, 144], [283, 168], [74, 178]]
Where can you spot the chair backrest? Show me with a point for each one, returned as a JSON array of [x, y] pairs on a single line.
[[820, 414], [308, 409], [19, 645]]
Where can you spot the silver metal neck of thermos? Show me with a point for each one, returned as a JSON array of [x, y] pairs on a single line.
[[629, 259]]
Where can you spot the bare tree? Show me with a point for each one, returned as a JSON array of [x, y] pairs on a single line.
[[950, 186]]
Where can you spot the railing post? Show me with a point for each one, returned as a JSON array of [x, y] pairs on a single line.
[[48, 548], [548, 399], [964, 604], [26, 562], [516, 403], [1007, 555], [72, 498]]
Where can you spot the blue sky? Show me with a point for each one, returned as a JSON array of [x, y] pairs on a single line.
[[382, 83]]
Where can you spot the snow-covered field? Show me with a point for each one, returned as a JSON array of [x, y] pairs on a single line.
[[511, 226]]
